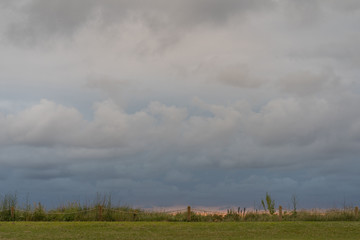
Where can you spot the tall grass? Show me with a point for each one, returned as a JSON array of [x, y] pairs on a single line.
[[8, 202], [102, 209]]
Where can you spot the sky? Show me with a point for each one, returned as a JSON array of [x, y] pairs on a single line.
[[169, 103]]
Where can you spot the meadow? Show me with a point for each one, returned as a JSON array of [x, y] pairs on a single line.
[[179, 230]]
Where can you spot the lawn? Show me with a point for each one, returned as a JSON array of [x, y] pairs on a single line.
[[169, 230]]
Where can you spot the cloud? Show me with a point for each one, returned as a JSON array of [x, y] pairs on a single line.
[[183, 101], [238, 76], [349, 5], [223, 139], [43, 19], [309, 121], [301, 13], [307, 83], [26, 127]]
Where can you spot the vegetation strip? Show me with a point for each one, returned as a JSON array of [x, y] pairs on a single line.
[[102, 209]]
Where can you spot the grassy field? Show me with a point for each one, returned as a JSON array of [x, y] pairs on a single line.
[[168, 230]]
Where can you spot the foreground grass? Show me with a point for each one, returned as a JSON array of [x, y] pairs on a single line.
[[168, 230]]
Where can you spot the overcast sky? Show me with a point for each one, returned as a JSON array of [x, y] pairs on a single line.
[[166, 103]]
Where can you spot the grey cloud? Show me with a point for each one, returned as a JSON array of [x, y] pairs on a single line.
[[303, 122], [288, 127], [177, 176], [238, 76], [6, 3], [54, 19], [307, 83], [105, 83], [348, 5], [308, 13], [277, 82], [43, 19], [203, 11], [344, 51], [109, 86], [45, 175], [301, 13], [131, 183]]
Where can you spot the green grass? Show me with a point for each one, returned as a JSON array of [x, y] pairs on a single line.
[[182, 230]]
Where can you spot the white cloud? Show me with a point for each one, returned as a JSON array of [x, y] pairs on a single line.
[[41, 124]]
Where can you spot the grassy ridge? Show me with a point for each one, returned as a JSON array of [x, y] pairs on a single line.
[[171, 230]]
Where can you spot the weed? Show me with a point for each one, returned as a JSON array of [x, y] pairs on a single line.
[[270, 204]]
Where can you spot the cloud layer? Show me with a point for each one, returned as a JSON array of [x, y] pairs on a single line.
[[206, 102]]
